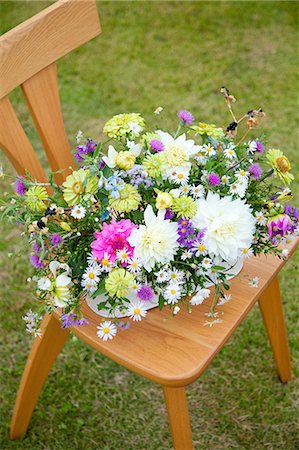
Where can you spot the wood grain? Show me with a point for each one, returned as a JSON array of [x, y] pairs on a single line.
[[175, 352], [15, 143], [272, 312], [177, 409], [42, 356], [42, 96], [44, 38]]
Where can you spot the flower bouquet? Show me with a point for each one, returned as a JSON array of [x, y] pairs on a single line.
[[153, 218]]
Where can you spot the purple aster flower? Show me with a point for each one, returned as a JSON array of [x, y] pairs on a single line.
[[256, 171], [35, 247], [56, 239], [279, 225], [156, 145], [36, 262], [20, 186], [81, 151], [186, 117], [90, 146], [102, 164], [123, 325], [288, 209], [214, 179], [168, 214], [145, 293], [68, 320], [259, 147], [296, 213], [201, 234]]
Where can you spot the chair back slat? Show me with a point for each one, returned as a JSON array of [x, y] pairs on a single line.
[[15, 143], [28, 55], [44, 38], [41, 93]]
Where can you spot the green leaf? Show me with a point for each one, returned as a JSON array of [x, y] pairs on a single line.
[[101, 289], [161, 302]]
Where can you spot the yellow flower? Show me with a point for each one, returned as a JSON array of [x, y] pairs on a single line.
[[35, 198], [119, 282], [184, 206], [128, 200], [124, 124], [281, 165], [125, 160], [65, 226], [79, 186], [210, 130], [164, 200], [154, 164]]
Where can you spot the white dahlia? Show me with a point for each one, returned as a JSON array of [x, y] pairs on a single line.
[[229, 225], [156, 241], [177, 152]]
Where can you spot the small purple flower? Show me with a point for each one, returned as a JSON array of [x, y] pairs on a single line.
[[168, 214], [56, 239], [201, 234], [102, 164], [68, 320], [20, 186], [279, 225], [214, 179], [259, 147], [156, 145], [35, 247], [296, 213], [256, 171], [84, 149], [288, 209], [145, 293], [36, 262], [186, 117]]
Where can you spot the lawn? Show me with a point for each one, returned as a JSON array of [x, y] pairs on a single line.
[[177, 55]]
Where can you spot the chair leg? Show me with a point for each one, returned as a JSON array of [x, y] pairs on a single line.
[[43, 354], [177, 408], [272, 312]]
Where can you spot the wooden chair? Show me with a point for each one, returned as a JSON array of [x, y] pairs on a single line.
[[173, 353]]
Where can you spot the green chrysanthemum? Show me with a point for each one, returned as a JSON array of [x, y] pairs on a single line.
[[209, 129], [79, 186], [154, 164], [184, 206], [128, 200], [35, 198], [119, 282], [123, 125], [281, 165]]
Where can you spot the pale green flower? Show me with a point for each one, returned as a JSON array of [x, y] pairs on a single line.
[[119, 282], [281, 165], [124, 124], [79, 186], [128, 200], [35, 198], [209, 129], [184, 206], [154, 164]]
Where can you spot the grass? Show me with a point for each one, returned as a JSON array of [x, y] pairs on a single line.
[[174, 54]]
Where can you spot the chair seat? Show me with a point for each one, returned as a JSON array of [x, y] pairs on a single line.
[[175, 351]]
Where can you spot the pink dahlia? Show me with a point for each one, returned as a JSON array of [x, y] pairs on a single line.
[[113, 237]]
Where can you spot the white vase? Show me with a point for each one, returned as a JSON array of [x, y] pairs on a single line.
[[93, 302]]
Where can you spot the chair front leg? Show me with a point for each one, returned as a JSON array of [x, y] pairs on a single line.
[[177, 408], [43, 354], [272, 312]]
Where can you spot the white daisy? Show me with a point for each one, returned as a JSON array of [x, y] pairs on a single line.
[[242, 175], [91, 274], [173, 293], [134, 265], [92, 260], [184, 189], [287, 239], [180, 176], [200, 296], [186, 255], [89, 286], [254, 282], [224, 299], [107, 330], [208, 150], [225, 179], [122, 255], [252, 147], [239, 188], [199, 248], [78, 212], [177, 276], [197, 191], [206, 263], [136, 310], [200, 158], [260, 218], [246, 252], [162, 276], [230, 153], [106, 264]]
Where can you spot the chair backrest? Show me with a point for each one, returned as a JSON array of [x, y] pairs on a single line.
[[28, 55]]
